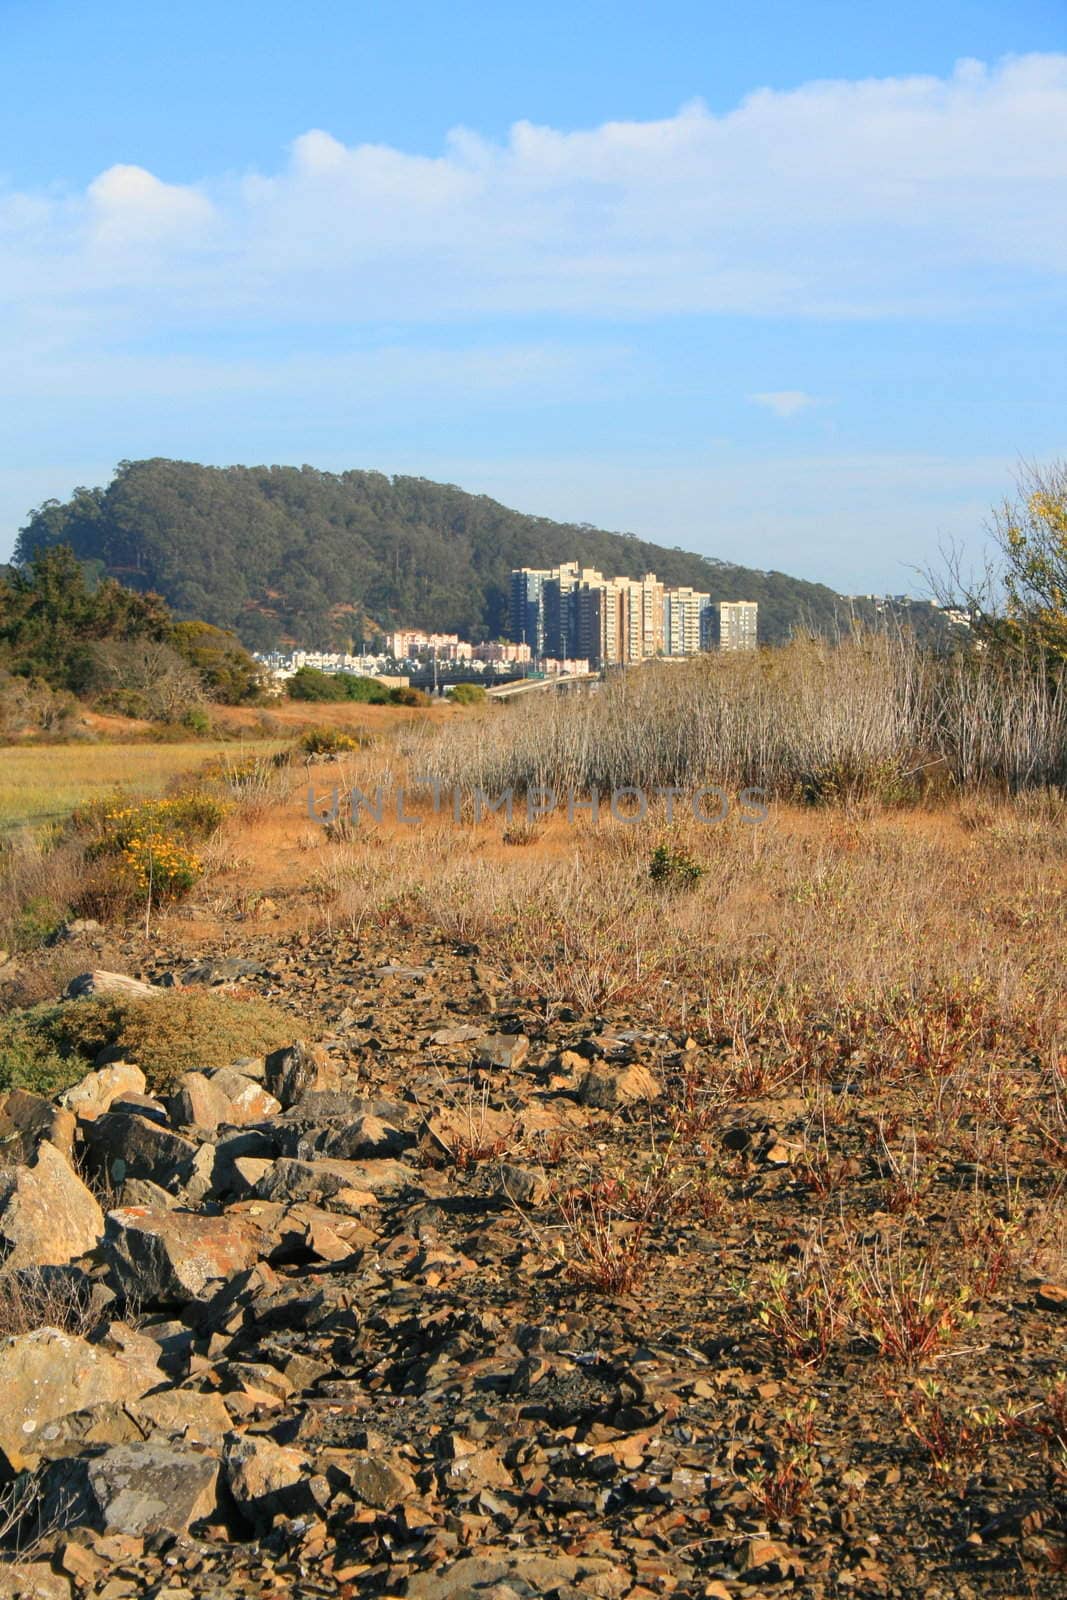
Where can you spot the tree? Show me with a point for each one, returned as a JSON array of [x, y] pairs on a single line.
[[1031, 535], [1018, 603]]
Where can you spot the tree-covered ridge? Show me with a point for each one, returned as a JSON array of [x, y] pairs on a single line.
[[291, 552]]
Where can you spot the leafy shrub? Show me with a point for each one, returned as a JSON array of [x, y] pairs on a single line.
[[409, 697], [49, 1047], [468, 694], [308, 683], [674, 868], [327, 742], [150, 845]]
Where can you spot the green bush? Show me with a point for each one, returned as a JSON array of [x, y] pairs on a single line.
[[409, 697], [49, 1047], [332, 688], [468, 694], [674, 868]]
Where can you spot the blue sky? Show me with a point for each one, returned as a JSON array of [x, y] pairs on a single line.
[[783, 283]]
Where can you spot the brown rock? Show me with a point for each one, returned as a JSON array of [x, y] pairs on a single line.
[[296, 1070], [171, 1257], [149, 1487], [612, 1088], [125, 1144], [26, 1119], [289, 1179], [248, 1100], [378, 1482], [47, 1215], [91, 1097], [1052, 1297], [505, 1050], [263, 1477], [198, 1102], [47, 1374], [32, 1580]]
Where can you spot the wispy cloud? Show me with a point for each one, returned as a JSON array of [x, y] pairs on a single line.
[[838, 199], [785, 403]]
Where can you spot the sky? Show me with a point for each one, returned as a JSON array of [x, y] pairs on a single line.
[[783, 283]]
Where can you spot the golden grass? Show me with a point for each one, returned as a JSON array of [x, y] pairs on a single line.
[[43, 783]]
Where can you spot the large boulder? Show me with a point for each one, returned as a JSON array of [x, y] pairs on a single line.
[[326, 1179], [248, 1100], [96, 1092], [171, 1257], [92, 984], [136, 1489], [127, 1144], [47, 1215], [46, 1375], [297, 1069]]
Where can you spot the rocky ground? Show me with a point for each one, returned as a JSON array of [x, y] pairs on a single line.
[[462, 1295]]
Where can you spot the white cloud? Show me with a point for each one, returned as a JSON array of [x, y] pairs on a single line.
[[785, 403], [127, 205], [838, 199]]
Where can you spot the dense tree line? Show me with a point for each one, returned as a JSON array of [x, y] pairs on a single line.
[[67, 628], [322, 558]]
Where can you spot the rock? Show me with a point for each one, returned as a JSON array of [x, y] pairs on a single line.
[[263, 1477], [367, 1136], [531, 1572], [378, 1482], [171, 1257], [95, 1093], [198, 1102], [248, 1100], [124, 1145], [246, 1174], [143, 1192], [524, 1187], [46, 1375], [26, 1119], [138, 1351], [613, 1088], [297, 1069], [47, 1215], [230, 969], [463, 1033], [32, 1580], [149, 1487], [326, 1179], [506, 1050], [76, 928], [1052, 1297], [88, 984]]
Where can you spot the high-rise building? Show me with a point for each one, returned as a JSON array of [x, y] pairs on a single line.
[[569, 611], [734, 624], [685, 621], [526, 611]]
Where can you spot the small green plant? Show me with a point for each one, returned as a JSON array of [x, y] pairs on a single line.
[[674, 869]]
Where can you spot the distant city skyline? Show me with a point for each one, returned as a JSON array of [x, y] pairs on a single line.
[[783, 287]]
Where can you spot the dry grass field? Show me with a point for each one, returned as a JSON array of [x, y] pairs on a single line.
[[814, 1252]]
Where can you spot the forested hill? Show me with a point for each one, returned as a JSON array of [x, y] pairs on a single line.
[[292, 553]]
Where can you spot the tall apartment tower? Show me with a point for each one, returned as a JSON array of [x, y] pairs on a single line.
[[686, 624], [734, 624], [526, 611]]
